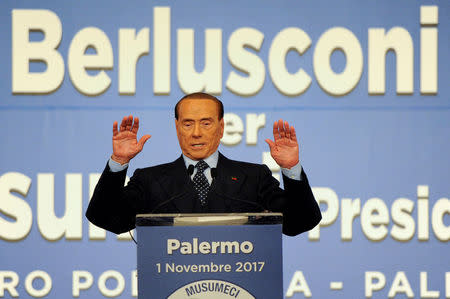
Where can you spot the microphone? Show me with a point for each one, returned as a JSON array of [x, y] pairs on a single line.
[[232, 198], [213, 173], [255, 204], [235, 199], [190, 169], [168, 201]]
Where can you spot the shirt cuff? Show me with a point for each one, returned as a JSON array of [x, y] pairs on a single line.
[[116, 166], [294, 173]]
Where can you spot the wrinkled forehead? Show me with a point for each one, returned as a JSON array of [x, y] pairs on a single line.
[[198, 108]]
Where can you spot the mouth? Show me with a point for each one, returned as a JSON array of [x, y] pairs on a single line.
[[198, 145]]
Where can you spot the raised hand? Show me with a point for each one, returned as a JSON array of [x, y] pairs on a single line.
[[284, 149], [125, 144]]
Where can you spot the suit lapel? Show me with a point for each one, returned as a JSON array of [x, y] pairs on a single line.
[[176, 183], [226, 185]]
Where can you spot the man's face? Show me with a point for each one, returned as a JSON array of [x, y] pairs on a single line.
[[199, 129]]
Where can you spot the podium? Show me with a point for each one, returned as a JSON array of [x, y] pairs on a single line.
[[209, 256]]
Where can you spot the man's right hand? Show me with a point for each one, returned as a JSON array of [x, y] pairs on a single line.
[[125, 144]]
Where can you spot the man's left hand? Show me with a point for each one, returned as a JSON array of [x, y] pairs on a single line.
[[284, 149]]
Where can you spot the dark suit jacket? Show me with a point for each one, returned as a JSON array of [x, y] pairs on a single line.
[[167, 188]]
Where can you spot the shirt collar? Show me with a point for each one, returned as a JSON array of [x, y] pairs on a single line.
[[211, 160]]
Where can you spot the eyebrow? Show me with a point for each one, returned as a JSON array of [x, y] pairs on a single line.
[[202, 119]]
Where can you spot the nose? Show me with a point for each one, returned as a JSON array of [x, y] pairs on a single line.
[[197, 130]]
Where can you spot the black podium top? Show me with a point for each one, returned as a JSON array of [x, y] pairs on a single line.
[[196, 219]]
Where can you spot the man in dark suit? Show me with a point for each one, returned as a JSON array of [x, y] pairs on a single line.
[[202, 180]]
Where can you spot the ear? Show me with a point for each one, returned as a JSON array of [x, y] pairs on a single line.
[[222, 127], [176, 125]]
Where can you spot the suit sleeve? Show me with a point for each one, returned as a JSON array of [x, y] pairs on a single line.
[[113, 207], [297, 203], [301, 213]]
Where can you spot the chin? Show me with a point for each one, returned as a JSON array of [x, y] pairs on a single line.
[[200, 157], [196, 156]]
